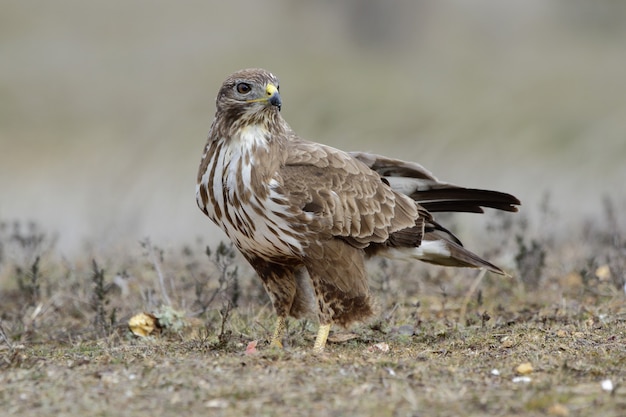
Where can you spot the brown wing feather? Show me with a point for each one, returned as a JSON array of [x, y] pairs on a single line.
[[352, 199]]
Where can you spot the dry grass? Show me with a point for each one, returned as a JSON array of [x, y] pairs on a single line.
[[454, 342]]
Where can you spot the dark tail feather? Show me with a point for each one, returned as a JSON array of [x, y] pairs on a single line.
[[459, 199], [433, 244], [449, 251], [461, 257]]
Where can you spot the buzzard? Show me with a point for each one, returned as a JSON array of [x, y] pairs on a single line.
[[306, 215]]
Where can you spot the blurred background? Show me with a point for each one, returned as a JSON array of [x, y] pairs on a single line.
[[105, 105]]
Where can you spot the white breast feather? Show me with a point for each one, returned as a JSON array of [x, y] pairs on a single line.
[[262, 240]]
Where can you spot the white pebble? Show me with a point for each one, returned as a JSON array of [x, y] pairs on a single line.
[[607, 385], [523, 379], [495, 372]]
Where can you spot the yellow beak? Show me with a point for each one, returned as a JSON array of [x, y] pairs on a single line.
[[272, 96]]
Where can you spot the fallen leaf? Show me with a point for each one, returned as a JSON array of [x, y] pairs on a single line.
[[142, 324]]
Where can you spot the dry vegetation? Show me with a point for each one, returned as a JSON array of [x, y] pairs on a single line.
[[445, 341]]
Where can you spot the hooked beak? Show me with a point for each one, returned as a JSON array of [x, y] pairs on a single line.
[[273, 97]]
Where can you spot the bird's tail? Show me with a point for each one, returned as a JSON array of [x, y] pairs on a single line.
[[428, 241], [437, 246], [415, 181], [450, 253]]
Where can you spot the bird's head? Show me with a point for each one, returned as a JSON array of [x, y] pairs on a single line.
[[249, 93]]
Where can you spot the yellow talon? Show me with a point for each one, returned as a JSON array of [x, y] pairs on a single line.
[[279, 332], [320, 340], [276, 344]]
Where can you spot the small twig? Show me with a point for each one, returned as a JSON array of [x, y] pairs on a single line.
[[390, 313], [99, 300], [224, 335], [4, 337], [470, 293], [157, 267]]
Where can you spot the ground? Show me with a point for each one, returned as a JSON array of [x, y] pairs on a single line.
[[549, 340]]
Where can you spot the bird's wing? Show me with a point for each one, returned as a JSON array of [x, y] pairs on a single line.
[[353, 201], [417, 182]]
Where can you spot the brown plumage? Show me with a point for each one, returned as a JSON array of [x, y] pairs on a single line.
[[306, 215]]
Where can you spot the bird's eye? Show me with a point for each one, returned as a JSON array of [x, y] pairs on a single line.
[[243, 88]]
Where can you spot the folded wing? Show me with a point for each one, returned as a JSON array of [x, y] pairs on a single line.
[[351, 200]]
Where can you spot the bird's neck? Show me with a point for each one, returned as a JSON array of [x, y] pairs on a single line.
[[264, 126]]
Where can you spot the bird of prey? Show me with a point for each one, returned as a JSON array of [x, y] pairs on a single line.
[[306, 215]]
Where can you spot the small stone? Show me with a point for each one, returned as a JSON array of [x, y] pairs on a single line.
[[524, 368], [251, 348], [603, 273], [607, 385], [216, 403], [507, 342], [379, 347], [390, 371]]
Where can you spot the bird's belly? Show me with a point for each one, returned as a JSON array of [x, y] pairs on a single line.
[[267, 236]]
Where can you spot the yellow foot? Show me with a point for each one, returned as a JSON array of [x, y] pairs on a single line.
[[320, 340], [279, 332]]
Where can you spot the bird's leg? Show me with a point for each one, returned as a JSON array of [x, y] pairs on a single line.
[[320, 340], [279, 332]]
